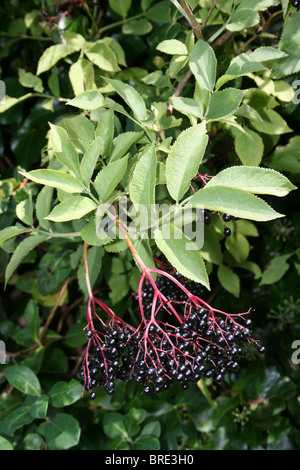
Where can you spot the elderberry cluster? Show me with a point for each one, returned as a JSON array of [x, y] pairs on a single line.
[[163, 354], [112, 360], [171, 291]]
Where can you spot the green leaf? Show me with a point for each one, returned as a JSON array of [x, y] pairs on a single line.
[[33, 441], [22, 250], [289, 43], [61, 432], [54, 268], [113, 425], [137, 27], [43, 206], [242, 18], [75, 335], [24, 211], [146, 442], [94, 235], [265, 54], [105, 129], [249, 147], [102, 55], [254, 180], [80, 131], [5, 444], [229, 280], [72, 208], [38, 406], [272, 123], [19, 417], [89, 160], [55, 179], [236, 202], [223, 103], [28, 80], [54, 53], [211, 249], [65, 393], [11, 232], [130, 96], [109, 178], [238, 245], [23, 379], [286, 158], [142, 185], [31, 314], [64, 149], [182, 253], [122, 143], [184, 159], [121, 8], [275, 270], [88, 100], [203, 65], [187, 106], [173, 47]]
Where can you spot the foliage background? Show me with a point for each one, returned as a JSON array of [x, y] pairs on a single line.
[[40, 403]]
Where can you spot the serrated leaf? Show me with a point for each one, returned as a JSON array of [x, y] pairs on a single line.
[[54, 53], [275, 270], [203, 65], [254, 180], [272, 123], [223, 103], [89, 160], [72, 208], [236, 202], [109, 177], [172, 46], [43, 206], [142, 185], [130, 96], [64, 149], [249, 147], [122, 143], [55, 179], [88, 100], [102, 55], [177, 249], [22, 250], [242, 18], [11, 232], [187, 106], [184, 159]]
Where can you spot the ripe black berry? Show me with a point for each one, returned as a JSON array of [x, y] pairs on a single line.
[[258, 30], [296, 3], [226, 217], [227, 232], [88, 334], [92, 395]]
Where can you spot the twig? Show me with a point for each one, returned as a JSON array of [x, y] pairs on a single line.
[[208, 15], [52, 313]]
